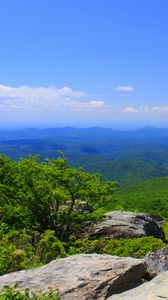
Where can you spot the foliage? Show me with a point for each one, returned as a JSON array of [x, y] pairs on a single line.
[[165, 229], [46, 205], [137, 248], [18, 250], [49, 195], [145, 196], [11, 293], [50, 247]]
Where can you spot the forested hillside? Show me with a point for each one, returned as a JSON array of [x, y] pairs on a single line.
[[149, 196], [125, 156]]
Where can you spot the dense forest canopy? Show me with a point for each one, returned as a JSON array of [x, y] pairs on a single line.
[[124, 156]]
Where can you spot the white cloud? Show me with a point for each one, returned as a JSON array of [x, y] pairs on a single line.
[[38, 92], [130, 110], [96, 104], [124, 88], [159, 108], [84, 106], [27, 99], [146, 109]]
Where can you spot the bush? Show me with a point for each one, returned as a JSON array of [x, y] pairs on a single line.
[[16, 252], [19, 250], [137, 248], [12, 293], [50, 247]]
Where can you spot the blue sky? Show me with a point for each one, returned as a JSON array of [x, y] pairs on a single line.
[[83, 62]]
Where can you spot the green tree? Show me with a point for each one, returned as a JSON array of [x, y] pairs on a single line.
[[61, 198], [50, 195]]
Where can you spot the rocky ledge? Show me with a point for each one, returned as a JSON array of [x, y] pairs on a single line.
[[124, 224], [156, 289], [157, 262], [83, 276]]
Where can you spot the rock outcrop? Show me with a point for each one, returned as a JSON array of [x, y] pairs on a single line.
[[83, 276], [157, 262], [124, 224], [156, 289]]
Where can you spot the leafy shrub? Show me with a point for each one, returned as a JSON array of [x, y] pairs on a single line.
[[18, 250], [11, 293], [165, 228], [84, 245], [50, 247], [137, 248]]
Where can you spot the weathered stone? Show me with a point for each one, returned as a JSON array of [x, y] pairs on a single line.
[[124, 224], [157, 262], [156, 289], [157, 218], [83, 276]]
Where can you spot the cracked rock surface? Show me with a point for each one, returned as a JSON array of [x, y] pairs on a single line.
[[157, 262], [125, 224], [81, 277], [156, 289]]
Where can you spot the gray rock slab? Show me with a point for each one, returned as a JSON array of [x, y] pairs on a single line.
[[124, 224], [157, 262], [81, 277], [156, 289]]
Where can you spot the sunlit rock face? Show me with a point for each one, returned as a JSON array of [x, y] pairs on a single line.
[[156, 289], [124, 224], [83, 276]]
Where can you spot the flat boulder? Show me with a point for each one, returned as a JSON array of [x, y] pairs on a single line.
[[156, 289], [157, 262], [125, 224], [83, 276]]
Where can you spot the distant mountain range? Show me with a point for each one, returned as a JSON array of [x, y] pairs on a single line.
[[120, 155]]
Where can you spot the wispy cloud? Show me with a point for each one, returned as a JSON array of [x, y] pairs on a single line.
[[130, 110], [26, 98], [124, 88], [146, 109], [38, 92], [159, 108], [86, 106]]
